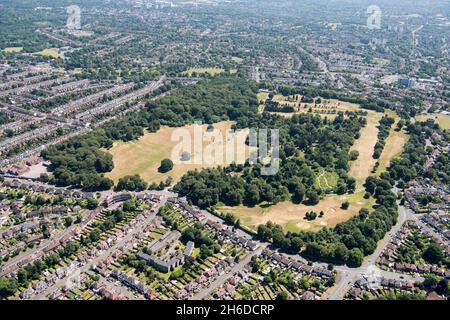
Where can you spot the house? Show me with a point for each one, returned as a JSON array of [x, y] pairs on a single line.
[[161, 265], [384, 282], [286, 261], [355, 293], [437, 270], [322, 272], [423, 269], [235, 280], [410, 285], [150, 294], [108, 294], [181, 294], [399, 266], [27, 293], [189, 249], [410, 267], [230, 289], [219, 293], [308, 295], [296, 265], [307, 268], [362, 283], [242, 241]]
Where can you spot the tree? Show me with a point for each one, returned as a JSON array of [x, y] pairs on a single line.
[[429, 284], [341, 188], [131, 183], [43, 177], [313, 198], [264, 233], [296, 244], [354, 154], [252, 195], [255, 266], [311, 216], [91, 203], [166, 166], [205, 252], [282, 296], [442, 287], [299, 193], [345, 205], [68, 221], [433, 254], [95, 234], [130, 205], [8, 287], [355, 258]]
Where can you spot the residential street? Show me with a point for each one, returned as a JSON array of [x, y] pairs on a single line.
[[127, 239], [221, 279]]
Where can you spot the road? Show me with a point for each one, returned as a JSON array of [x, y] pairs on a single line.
[[347, 276], [221, 279]]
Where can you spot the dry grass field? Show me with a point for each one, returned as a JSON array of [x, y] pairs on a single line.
[[144, 156], [54, 53], [326, 108], [236, 59], [393, 148], [13, 50], [361, 168], [211, 71], [442, 119], [291, 216]]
